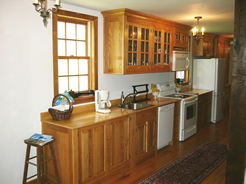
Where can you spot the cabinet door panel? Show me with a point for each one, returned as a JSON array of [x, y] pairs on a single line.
[[146, 134], [92, 153], [118, 143]]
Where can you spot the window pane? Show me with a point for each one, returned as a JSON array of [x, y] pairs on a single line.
[[80, 48], [80, 32], [73, 83], [62, 67], [70, 48], [180, 74], [73, 67], [83, 82], [70, 31], [61, 29], [83, 66], [61, 48], [63, 84]]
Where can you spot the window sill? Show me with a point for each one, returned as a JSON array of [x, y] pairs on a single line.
[[84, 99]]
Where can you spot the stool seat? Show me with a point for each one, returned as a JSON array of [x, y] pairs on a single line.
[[42, 176]]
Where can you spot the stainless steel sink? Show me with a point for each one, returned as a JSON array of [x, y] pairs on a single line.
[[133, 106]]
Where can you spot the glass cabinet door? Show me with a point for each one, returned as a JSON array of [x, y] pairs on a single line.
[[167, 48], [132, 45], [157, 47], [145, 36]]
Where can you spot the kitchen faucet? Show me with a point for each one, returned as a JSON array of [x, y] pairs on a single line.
[[124, 98]]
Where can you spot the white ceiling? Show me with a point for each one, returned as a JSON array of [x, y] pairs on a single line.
[[217, 15]]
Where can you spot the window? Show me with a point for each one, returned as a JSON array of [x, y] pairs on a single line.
[[75, 53], [183, 76]]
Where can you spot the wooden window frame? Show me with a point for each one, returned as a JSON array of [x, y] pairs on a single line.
[[93, 70]]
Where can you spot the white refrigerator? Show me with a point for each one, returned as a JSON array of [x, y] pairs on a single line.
[[209, 74]]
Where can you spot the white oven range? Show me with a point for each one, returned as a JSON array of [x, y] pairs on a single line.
[[188, 108]]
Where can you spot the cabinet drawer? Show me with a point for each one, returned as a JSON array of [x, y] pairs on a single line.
[[147, 114]]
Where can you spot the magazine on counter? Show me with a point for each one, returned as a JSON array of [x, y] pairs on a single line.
[[39, 139]]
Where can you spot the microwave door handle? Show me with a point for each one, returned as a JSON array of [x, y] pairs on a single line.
[[187, 62]]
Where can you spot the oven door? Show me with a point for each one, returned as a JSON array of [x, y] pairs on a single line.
[[190, 114], [188, 118]]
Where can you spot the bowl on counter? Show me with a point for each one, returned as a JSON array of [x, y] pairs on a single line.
[[155, 94]]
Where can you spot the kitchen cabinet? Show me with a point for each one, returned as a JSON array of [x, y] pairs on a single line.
[[92, 153], [118, 144], [208, 44], [135, 42], [222, 50], [204, 110], [146, 135], [181, 39]]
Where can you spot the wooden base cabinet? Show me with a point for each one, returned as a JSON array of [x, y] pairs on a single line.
[[99, 152], [92, 153], [146, 135], [204, 110]]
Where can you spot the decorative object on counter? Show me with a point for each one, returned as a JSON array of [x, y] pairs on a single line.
[[135, 91], [102, 102], [178, 86], [40, 6], [61, 114], [155, 91], [195, 30], [192, 167]]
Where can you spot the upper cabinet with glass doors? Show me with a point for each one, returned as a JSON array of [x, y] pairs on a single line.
[[135, 42], [162, 50]]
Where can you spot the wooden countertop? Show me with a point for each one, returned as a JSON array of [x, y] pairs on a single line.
[[197, 91], [82, 119]]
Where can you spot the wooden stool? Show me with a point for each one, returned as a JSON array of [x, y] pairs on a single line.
[[42, 177]]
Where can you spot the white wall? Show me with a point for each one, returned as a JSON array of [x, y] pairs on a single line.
[[26, 79]]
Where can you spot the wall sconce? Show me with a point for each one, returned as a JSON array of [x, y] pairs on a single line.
[[195, 31], [40, 6]]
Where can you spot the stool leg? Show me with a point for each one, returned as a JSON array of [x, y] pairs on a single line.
[[54, 161], [39, 163], [26, 163]]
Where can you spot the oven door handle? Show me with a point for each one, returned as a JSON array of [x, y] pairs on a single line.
[[190, 101]]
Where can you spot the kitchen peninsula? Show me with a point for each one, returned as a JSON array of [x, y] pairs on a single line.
[[95, 147]]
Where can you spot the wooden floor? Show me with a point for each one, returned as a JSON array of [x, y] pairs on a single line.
[[218, 132]]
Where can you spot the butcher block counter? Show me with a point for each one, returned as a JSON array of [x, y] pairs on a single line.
[[92, 147]]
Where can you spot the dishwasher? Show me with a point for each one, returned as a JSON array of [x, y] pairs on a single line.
[[165, 125]]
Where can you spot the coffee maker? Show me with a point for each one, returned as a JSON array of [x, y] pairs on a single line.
[[102, 102]]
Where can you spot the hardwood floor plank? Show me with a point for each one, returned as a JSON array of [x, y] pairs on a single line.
[[218, 132]]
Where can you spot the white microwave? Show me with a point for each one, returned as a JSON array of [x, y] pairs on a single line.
[[181, 61]]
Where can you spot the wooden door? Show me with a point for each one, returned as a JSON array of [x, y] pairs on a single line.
[[146, 132], [92, 162], [118, 145]]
